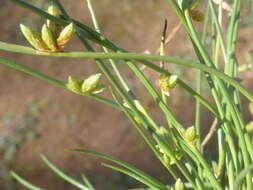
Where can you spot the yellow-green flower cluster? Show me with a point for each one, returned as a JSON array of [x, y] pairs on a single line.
[[91, 85], [190, 136], [52, 38], [167, 82]]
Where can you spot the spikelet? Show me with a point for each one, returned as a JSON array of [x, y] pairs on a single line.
[[34, 38], [74, 85], [48, 38], [54, 27], [190, 136], [167, 82], [91, 84], [65, 35]]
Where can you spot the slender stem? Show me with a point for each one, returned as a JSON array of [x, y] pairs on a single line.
[[113, 64], [238, 120], [180, 165], [209, 174], [146, 138], [198, 85], [51, 80], [145, 119], [220, 40], [93, 35], [134, 56]]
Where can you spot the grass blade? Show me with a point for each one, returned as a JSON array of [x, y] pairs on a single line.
[[24, 182], [87, 182], [133, 175], [49, 79], [133, 169], [63, 175]]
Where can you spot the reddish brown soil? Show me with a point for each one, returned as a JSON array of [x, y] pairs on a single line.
[[134, 25]]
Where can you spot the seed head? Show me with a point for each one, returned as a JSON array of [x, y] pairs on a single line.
[[48, 38], [34, 38], [190, 135], [74, 85], [65, 35], [92, 84], [167, 82]]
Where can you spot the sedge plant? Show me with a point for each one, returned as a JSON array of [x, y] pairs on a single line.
[[181, 149]]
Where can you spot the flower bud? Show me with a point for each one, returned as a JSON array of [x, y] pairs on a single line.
[[54, 27], [74, 85], [48, 38], [65, 35], [91, 84], [167, 82], [179, 185], [190, 135], [34, 38], [53, 10]]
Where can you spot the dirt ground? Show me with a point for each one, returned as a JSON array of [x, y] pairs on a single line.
[[65, 120]]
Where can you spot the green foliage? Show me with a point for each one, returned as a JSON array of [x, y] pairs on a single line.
[[181, 151]]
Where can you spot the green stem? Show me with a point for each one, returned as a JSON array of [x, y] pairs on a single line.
[[51, 80], [83, 29], [231, 105], [130, 64], [134, 56], [220, 42], [193, 152], [147, 139], [198, 86]]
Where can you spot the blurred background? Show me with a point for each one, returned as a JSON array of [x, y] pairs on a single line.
[[36, 117]]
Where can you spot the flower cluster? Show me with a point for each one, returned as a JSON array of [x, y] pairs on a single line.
[[190, 136], [167, 82], [91, 85], [52, 38]]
